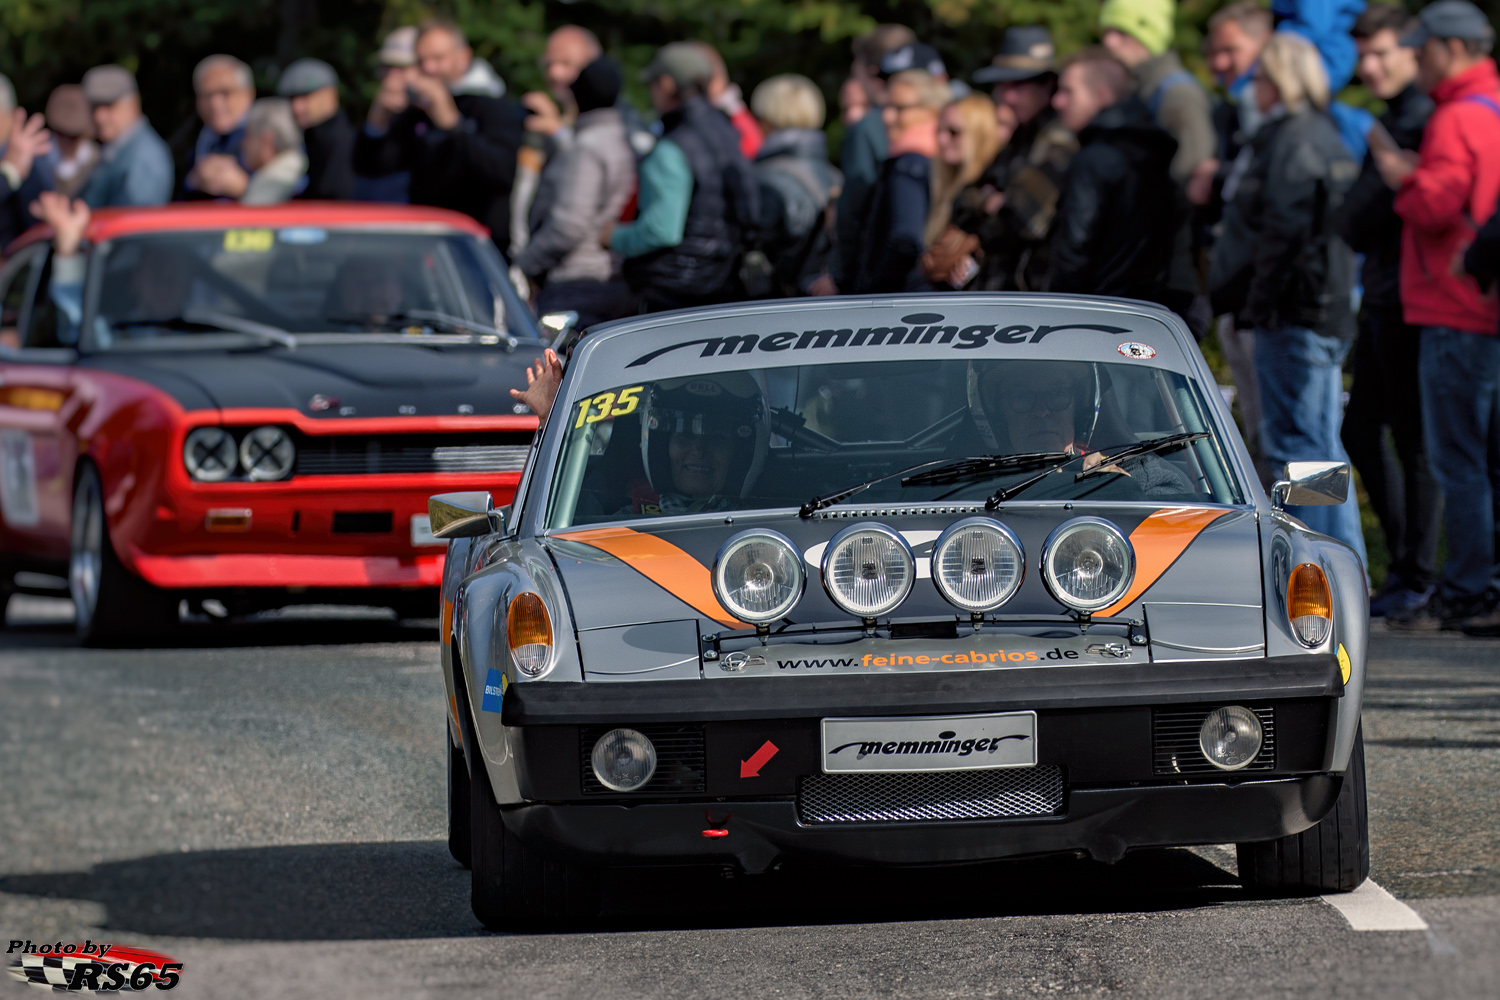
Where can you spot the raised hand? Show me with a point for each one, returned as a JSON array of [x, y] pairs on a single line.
[[542, 380]]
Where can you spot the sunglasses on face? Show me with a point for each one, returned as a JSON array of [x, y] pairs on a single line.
[[1053, 400]]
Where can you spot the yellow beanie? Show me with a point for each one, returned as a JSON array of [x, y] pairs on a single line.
[[1147, 21]]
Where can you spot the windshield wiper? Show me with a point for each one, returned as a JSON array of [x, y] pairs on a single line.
[[441, 318], [209, 321], [947, 471], [1107, 459]]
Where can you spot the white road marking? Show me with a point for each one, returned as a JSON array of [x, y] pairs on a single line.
[[1371, 908]]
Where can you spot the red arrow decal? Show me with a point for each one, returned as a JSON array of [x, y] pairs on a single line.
[[751, 768]]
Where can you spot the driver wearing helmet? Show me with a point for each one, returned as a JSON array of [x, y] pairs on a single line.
[[703, 442], [1062, 406]]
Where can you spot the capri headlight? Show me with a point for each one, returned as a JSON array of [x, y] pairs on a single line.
[[1088, 564], [267, 453], [209, 454], [977, 564], [868, 570], [758, 576]]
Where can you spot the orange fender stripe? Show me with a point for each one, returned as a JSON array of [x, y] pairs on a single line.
[[1158, 541], [663, 563]]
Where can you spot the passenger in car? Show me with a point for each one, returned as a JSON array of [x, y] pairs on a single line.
[[367, 294]]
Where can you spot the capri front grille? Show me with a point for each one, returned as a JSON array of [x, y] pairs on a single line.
[[930, 795], [377, 454], [1174, 741]]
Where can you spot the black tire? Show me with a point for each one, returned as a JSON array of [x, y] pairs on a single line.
[[1332, 856], [514, 887], [459, 820], [111, 604]]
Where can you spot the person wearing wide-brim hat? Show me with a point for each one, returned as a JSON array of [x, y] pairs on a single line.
[[1010, 209]]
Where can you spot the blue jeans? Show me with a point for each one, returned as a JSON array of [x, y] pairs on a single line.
[[1301, 399], [1460, 374]]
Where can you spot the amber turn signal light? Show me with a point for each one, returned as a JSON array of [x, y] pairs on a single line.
[[1309, 604], [528, 631]]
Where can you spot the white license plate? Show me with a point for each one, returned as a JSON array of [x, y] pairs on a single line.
[[421, 531], [929, 743]]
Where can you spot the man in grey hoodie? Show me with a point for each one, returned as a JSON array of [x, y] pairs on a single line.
[[458, 138], [582, 189]]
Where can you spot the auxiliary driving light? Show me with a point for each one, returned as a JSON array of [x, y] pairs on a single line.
[[1230, 737], [758, 576], [868, 570], [1088, 564], [977, 564], [1309, 604], [528, 631], [623, 760]]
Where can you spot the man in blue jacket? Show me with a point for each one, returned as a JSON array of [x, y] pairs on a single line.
[[135, 165]]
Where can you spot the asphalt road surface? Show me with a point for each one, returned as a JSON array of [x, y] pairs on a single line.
[[265, 803]]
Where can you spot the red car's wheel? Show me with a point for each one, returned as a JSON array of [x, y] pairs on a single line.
[[110, 603]]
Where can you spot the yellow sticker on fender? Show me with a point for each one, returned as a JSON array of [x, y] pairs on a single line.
[[248, 240], [1344, 662]]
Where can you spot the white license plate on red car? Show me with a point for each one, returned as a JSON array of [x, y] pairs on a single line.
[[929, 743], [421, 531]]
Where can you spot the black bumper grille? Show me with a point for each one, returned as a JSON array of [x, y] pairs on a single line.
[[1174, 741], [371, 454], [679, 759], [930, 795]]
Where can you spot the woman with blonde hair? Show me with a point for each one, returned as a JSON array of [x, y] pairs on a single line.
[[1283, 272], [969, 138]]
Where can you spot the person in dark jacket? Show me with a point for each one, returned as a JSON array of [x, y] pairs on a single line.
[[313, 89], [1109, 238], [24, 171], [1284, 272], [1386, 392], [1011, 208], [698, 195], [891, 252], [796, 182], [459, 137]]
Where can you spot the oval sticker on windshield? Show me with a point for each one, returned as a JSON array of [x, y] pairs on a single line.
[[248, 240], [1133, 349], [303, 236]]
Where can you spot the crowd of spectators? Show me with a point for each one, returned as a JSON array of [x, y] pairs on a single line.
[[1293, 227]]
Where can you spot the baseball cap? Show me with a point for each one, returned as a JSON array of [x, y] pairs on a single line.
[[68, 112], [1026, 52], [684, 62], [304, 76], [917, 55], [108, 84], [399, 48], [1449, 19]]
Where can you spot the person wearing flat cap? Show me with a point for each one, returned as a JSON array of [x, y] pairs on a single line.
[[74, 151], [1011, 207], [135, 164], [312, 87], [1443, 195], [698, 194]]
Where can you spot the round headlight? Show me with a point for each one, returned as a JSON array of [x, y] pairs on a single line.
[[868, 570], [1230, 737], [758, 576], [1088, 564], [209, 454], [977, 564], [623, 760], [267, 453]]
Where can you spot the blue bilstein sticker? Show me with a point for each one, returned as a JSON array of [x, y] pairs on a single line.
[[494, 691], [302, 236]]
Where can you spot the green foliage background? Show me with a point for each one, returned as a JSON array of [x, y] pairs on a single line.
[[47, 42]]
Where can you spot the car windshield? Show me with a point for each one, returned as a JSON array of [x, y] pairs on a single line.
[[302, 280], [782, 437]]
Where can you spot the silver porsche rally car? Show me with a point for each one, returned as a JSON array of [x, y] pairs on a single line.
[[899, 580]]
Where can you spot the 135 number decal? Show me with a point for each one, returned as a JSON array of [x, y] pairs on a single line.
[[608, 405]]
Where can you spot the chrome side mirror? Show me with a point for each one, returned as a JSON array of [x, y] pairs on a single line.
[[561, 325], [464, 515], [1311, 484]]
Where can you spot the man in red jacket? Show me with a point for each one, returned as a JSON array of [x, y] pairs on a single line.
[[1443, 198]]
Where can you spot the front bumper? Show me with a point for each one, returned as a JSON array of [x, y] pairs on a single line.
[[1102, 822]]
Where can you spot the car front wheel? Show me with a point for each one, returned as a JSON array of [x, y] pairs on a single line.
[[1332, 856], [110, 603]]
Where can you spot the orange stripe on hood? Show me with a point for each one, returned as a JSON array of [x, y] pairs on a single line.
[[1158, 541], [663, 563]]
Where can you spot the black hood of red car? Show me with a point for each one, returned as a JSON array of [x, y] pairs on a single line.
[[333, 380]]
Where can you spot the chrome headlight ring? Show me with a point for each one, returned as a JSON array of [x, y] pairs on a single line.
[[978, 564], [868, 570], [1088, 564], [758, 576]]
